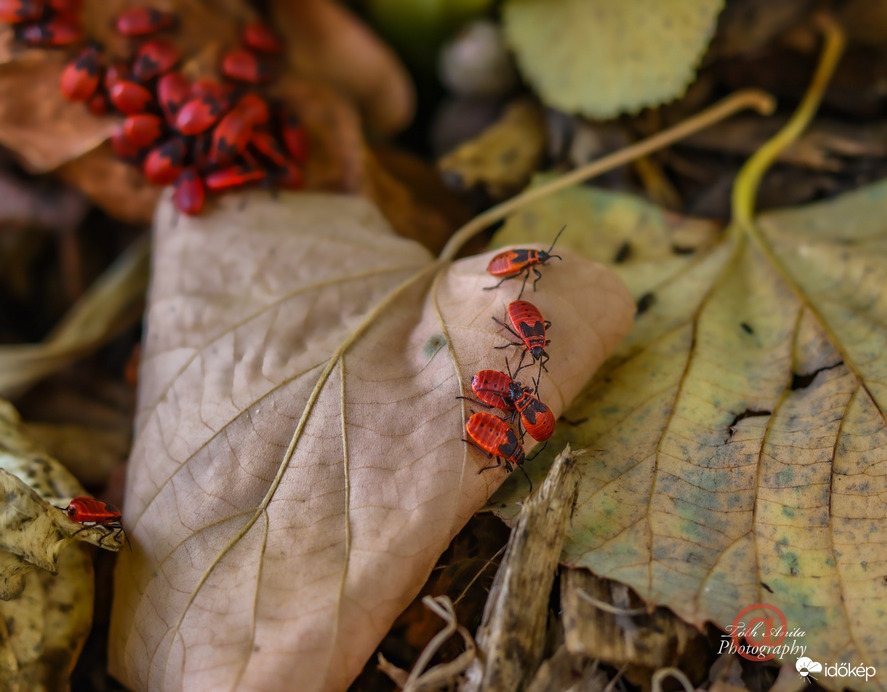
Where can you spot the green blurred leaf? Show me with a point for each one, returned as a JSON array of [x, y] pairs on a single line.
[[606, 57], [417, 28]]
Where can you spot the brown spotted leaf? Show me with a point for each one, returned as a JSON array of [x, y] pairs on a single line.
[[298, 464]]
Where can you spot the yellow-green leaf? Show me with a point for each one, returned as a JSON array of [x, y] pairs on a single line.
[[601, 58], [742, 423]]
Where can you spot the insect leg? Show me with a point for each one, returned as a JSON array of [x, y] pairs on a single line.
[[507, 326], [524, 471], [490, 288], [478, 448], [520, 362], [494, 466], [474, 401], [526, 274], [538, 451]]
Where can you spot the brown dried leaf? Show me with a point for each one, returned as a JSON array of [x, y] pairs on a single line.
[[334, 137], [341, 161], [199, 22], [325, 42], [117, 187], [36, 122], [298, 463]]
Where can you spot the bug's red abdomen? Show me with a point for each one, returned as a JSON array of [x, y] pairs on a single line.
[[233, 177], [244, 66], [140, 21], [230, 138], [80, 77], [493, 388], [88, 510], [494, 436], [189, 194], [259, 36], [173, 91], [165, 162], [529, 324], [153, 58], [129, 97], [56, 32], [18, 11]]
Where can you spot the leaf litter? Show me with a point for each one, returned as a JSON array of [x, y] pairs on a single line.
[[46, 575], [744, 417], [298, 464]]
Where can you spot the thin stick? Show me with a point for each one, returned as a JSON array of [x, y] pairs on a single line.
[[755, 99]]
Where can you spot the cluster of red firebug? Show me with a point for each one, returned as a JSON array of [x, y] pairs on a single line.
[[497, 437], [44, 22], [206, 137]]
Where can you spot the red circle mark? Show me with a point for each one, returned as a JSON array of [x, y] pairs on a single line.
[[766, 638]]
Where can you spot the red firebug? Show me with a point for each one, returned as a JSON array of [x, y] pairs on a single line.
[[512, 263], [259, 37], [495, 438], [244, 66], [139, 21], [130, 97], [164, 162], [80, 77], [153, 58], [189, 194]]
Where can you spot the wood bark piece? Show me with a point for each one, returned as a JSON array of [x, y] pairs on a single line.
[[512, 633], [622, 634]]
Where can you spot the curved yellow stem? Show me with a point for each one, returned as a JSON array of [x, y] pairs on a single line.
[[748, 181], [755, 99]]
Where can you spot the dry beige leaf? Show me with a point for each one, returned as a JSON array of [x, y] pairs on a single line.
[[327, 43], [298, 464]]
